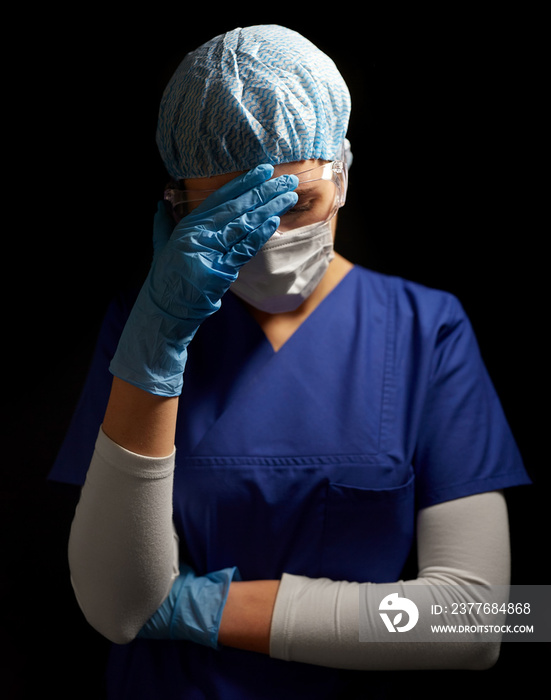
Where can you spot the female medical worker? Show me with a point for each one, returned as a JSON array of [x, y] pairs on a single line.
[[320, 421]]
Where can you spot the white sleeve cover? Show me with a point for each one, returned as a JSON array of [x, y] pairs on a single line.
[[123, 556], [465, 541], [123, 551]]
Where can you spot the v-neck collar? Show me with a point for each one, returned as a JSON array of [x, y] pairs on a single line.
[[310, 318], [243, 398]]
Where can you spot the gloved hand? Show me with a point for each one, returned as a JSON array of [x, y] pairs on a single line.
[[192, 269], [193, 609]]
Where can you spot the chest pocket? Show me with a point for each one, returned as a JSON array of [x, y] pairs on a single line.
[[270, 516], [368, 533]]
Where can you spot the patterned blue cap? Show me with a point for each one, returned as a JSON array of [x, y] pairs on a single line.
[[262, 94]]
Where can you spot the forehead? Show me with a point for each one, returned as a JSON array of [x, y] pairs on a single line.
[[215, 182]]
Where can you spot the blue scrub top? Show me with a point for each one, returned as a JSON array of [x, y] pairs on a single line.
[[311, 460]]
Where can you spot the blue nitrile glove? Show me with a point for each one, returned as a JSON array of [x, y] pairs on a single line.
[[192, 269], [193, 609]]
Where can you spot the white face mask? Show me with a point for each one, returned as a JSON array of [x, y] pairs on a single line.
[[287, 269]]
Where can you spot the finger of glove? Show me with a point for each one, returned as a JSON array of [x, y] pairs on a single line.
[[246, 225], [264, 199], [236, 187], [231, 248], [204, 238], [218, 218], [248, 247]]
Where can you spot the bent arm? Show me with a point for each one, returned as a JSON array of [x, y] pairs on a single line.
[[124, 559], [123, 552], [121, 547], [461, 542]]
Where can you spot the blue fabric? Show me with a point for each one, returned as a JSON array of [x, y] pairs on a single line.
[[314, 460], [261, 94]]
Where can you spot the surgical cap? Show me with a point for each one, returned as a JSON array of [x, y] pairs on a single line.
[[262, 94]]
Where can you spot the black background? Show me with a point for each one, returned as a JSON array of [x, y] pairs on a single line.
[[446, 189]]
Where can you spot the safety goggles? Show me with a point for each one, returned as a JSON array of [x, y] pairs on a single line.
[[321, 192]]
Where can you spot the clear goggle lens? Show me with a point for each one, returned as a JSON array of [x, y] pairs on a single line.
[[321, 192]]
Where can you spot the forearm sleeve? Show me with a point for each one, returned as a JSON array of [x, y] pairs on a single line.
[[465, 541], [123, 551]]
